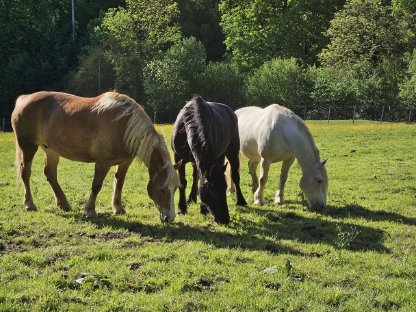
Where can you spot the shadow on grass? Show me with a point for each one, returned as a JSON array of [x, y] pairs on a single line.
[[259, 235], [357, 211], [246, 240], [292, 226]]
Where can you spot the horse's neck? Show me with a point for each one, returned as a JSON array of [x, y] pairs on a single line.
[[304, 149], [156, 161]]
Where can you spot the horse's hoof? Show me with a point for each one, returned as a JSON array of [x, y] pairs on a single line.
[[241, 203], [180, 211], [203, 209], [65, 206], [259, 202], [191, 201], [31, 207], [279, 201], [117, 210], [90, 214]]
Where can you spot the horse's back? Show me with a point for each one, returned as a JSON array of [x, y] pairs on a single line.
[[70, 126], [264, 132], [216, 120]]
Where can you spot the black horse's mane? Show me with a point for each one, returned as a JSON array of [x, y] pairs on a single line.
[[196, 120]]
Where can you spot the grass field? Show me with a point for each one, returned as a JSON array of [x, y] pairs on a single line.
[[360, 255]]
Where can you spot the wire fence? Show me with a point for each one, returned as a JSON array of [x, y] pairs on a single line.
[[381, 114]]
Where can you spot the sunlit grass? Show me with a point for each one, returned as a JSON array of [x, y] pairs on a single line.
[[359, 255]]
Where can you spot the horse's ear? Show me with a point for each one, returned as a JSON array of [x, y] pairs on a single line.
[[225, 167], [323, 163], [178, 164]]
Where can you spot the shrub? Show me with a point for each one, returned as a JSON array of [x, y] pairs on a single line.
[[280, 81]]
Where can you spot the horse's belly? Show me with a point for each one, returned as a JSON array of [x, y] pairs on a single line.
[[250, 150]]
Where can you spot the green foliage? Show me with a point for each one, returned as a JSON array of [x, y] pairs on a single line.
[[201, 19], [257, 31], [408, 86], [135, 34], [221, 82], [280, 81], [363, 31], [171, 80]]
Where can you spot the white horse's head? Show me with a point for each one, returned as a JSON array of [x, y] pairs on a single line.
[[314, 184]]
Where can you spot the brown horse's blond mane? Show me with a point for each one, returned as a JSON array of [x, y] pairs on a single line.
[[140, 137]]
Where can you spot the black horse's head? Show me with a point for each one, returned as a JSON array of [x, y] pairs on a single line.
[[213, 193]]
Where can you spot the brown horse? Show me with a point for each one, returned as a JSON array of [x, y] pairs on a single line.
[[110, 129]]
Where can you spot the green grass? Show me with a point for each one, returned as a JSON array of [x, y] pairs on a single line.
[[360, 255]]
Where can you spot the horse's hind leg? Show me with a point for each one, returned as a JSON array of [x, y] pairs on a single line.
[[118, 186], [182, 207], [287, 163], [50, 170], [264, 172], [101, 171], [234, 160], [24, 157], [194, 189], [252, 167]]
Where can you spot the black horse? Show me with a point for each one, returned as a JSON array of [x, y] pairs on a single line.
[[204, 134]]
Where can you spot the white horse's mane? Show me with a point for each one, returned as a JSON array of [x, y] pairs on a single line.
[[140, 137], [302, 127]]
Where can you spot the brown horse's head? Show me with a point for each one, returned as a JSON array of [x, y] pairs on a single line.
[[213, 193], [163, 182], [314, 185]]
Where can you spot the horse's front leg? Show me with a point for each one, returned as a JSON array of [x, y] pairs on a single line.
[[279, 198], [118, 186], [182, 206], [101, 171], [264, 172], [194, 189]]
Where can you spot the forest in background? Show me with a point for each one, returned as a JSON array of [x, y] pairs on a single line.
[[305, 54]]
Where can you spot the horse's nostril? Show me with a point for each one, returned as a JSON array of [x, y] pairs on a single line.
[[165, 219]]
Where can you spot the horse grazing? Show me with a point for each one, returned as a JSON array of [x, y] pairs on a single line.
[[204, 134], [110, 129], [276, 134]]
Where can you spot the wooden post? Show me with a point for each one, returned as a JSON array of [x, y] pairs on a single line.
[[353, 116], [154, 117], [382, 113], [410, 115], [329, 113]]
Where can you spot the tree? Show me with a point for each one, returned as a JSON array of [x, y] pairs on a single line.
[[408, 86], [280, 81], [135, 35], [170, 80], [364, 31], [257, 31], [222, 82], [201, 19]]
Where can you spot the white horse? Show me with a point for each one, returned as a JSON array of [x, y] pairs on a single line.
[[273, 134]]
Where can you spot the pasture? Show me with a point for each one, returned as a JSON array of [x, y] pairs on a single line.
[[359, 255]]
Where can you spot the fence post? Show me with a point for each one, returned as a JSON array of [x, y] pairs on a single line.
[[154, 117], [329, 113], [353, 116], [410, 115], [382, 113]]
